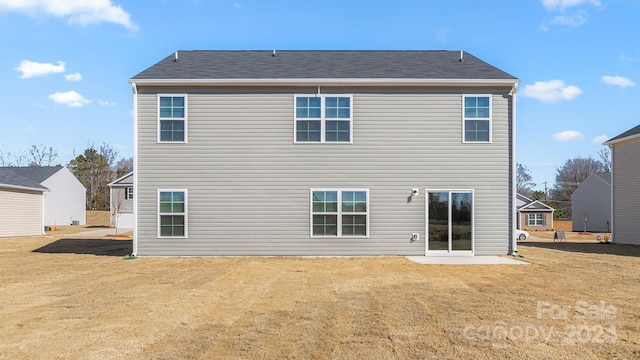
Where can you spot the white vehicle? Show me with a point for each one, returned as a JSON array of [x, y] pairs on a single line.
[[521, 234]]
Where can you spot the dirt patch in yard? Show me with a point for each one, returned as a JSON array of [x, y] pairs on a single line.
[[78, 299]]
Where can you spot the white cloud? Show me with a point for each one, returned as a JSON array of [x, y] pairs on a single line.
[[600, 139], [106, 103], [551, 91], [69, 98], [78, 12], [563, 4], [624, 57], [618, 81], [569, 135], [571, 20], [73, 77], [237, 5], [30, 69]]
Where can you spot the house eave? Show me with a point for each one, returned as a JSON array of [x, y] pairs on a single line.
[[326, 82], [18, 187], [615, 141]]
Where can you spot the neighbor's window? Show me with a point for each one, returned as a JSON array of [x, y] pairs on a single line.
[[339, 212], [172, 118], [128, 193], [477, 118], [172, 213], [323, 118], [535, 219]]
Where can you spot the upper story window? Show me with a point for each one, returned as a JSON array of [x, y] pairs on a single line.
[[172, 118], [128, 193], [323, 118], [476, 118]]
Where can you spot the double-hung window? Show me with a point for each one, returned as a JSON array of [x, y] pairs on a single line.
[[535, 219], [339, 212], [323, 119], [476, 118], [172, 118], [172, 213], [128, 193]]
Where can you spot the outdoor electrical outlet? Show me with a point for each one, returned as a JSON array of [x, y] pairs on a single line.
[[415, 237]]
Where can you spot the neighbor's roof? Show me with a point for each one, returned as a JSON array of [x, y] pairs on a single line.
[[635, 132], [124, 180], [9, 177], [217, 65], [605, 176], [36, 173]]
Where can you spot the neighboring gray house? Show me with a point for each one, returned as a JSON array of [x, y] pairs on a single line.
[[533, 215], [121, 202], [625, 175], [591, 204], [324, 153], [65, 198], [21, 204]]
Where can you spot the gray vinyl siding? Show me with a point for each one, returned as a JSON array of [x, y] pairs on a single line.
[[626, 191], [248, 183], [20, 213], [591, 200]]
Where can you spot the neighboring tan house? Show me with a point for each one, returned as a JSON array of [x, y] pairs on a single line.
[[21, 205], [324, 153], [591, 204], [625, 181], [65, 198], [121, 202], [533, 215]]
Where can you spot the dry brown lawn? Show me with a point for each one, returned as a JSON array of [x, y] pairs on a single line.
[[71, 298]]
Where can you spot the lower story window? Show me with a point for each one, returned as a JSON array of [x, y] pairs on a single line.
[[172, 213], [339, 212], [535, 219]]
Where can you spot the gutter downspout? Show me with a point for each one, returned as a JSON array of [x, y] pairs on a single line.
[[134, 88], [514, 212], [611, 219]]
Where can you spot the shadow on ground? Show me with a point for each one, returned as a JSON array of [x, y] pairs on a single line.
[[587, 248], [99, 247]]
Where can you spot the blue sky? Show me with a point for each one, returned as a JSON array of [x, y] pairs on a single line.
[[65, 64]]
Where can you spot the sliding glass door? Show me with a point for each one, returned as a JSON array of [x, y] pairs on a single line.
[[449, 222]]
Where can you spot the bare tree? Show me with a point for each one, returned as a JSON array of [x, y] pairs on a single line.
[[8, 158], [92, 169], [605, 158], [40, 155], [524, 180]]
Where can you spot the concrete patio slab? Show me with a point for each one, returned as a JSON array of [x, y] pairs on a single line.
[[466, 260]]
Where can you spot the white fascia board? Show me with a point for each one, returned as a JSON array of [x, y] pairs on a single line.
[[115, 182], [327, 82], [17, 187], [611, 142]]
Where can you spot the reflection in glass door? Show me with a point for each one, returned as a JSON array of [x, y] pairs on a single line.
[[449, 221]]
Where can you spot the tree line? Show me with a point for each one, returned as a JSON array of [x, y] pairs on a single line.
[[567, 179], [95, 168]]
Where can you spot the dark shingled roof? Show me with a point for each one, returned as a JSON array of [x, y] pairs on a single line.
[[36, 173], [631, 132], [321, 64], [13, 176]]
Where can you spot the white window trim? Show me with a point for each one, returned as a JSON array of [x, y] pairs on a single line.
[[532, 217], [185, 213], [322, 119], [473, 223], [464, 119], [185, 118], [339, 213], [128, 196]]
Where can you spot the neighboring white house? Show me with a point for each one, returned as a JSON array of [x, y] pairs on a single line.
[[625, 182], [21, 205], [121, 202], [65, 198], [324, 153], [591, 204]]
